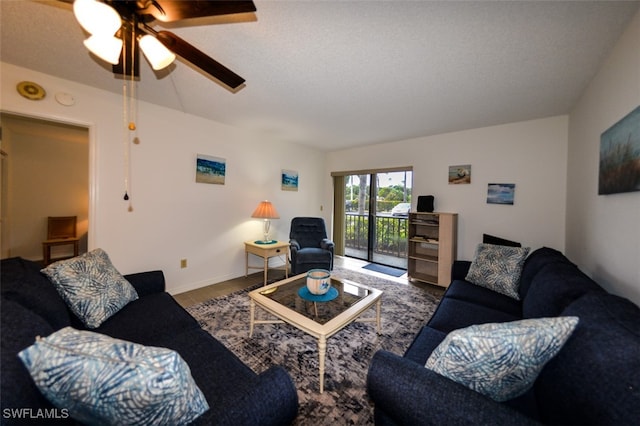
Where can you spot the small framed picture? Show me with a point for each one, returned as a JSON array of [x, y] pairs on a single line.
[[210, 169], [460, 174], [289, 180], [501, 193]]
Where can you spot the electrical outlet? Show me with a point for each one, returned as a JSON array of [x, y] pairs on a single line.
[[183, 263]]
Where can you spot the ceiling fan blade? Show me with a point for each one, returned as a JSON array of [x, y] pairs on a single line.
[[176, 10], [199, 59]]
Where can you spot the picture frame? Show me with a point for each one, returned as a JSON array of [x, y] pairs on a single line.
[[619, 169], [460, 174], [289, 180], [209, 169], [501, 193]]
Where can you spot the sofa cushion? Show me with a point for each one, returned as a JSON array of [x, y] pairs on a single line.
[[22, 282], [464, 290], [147, 282], [141, 320], [424, 343], [498, 268], [452, 314], [219, 373], [501, 360], [20, 327], [595, 379], [553, 288], [92, 287], [534, 262], [102, 380]]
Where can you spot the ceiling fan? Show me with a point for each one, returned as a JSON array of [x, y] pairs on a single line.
[[120, 28]]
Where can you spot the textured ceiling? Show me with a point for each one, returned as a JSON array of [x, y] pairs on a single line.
[[335, 74]]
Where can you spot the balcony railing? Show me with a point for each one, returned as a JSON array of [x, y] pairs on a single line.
[[390, 235]]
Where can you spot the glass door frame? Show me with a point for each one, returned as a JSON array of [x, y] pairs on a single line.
[[340, 216]]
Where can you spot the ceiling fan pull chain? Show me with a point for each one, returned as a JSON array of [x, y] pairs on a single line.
[[132, 112], [125, 132], [125, 140], [132, 93]]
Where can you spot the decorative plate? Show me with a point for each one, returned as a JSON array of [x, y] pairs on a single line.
[[31, 90], [304, 293]]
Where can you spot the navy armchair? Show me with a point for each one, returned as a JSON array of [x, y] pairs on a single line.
[[310, 247]]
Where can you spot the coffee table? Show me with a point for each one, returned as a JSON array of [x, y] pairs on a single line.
[[318, 319]]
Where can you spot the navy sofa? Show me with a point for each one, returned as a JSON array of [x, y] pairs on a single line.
[[236, 395], [593, 380]]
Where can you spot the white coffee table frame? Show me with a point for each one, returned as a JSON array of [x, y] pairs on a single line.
[[320, 331]]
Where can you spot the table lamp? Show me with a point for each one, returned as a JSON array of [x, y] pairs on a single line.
[[266, 211]]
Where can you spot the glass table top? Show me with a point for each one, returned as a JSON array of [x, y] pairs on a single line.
[[287, 294]]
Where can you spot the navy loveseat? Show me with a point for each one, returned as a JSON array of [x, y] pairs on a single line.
[[31, 307], [593, 380]]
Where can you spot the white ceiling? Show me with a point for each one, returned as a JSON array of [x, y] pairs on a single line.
[[335, 74]]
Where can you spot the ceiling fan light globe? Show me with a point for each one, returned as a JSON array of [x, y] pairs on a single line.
[[107, 48], [97, 18], [156, 53]]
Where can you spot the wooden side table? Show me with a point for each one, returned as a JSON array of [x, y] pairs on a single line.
[[266, 251]]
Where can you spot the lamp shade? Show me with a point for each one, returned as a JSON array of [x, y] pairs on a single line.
[[265, 210], [96, 18], [156, 53], [107, 48]]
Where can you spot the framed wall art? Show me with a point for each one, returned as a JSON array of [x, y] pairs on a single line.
[[289, 179], [620, 156], [460, 174], [501, 193], [210, 169]]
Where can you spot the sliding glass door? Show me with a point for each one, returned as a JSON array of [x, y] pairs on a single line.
[[376, 207], [356, 219]]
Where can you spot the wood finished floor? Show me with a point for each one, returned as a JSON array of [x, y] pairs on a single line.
[[200, 295]]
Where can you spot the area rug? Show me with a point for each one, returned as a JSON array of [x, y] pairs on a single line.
[[405, 309], [388, 270]]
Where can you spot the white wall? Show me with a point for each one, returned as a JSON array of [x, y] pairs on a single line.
[[603, 231], [173, 217], [531, 154]]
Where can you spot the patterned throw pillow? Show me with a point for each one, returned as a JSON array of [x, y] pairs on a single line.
[[91, 286], [102, 380], [501, 361], [498, 268]]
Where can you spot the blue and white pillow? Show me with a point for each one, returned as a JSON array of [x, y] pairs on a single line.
[[498, 268], [91, 286], [102, 380], [501, 361]]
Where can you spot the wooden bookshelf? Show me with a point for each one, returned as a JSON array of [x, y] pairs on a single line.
[[432, 247]]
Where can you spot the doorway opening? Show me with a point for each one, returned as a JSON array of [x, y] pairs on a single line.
[[45, 172]]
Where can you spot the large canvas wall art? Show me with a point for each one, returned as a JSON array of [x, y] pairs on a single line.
[[620, 156]]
